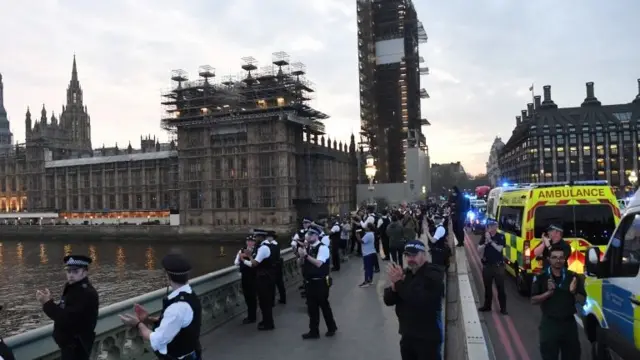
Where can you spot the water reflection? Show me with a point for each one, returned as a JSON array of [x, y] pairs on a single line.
[[126, 269], [93, 254], [150, 255], [20, 253], [43, 254]]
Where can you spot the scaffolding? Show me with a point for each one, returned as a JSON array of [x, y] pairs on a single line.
[[276, 87]]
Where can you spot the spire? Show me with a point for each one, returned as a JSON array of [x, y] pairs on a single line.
[[74, 70], [3, 112]]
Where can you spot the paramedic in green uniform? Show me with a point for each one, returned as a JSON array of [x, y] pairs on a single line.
[[555, 291]]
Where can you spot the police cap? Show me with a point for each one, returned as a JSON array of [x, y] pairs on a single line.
[[76, 261], [491, 222], [555, 227], [307, 220], [271, 233], [176, 264], [250, 238], [313, 231], [260, 232]]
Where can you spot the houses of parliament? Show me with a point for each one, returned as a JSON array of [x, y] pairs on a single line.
[[56, 169]]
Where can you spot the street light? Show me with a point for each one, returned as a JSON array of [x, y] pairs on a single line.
[[370, 170], [633, 179]]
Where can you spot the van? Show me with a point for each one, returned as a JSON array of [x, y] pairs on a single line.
[[586, 210], [611, 312]]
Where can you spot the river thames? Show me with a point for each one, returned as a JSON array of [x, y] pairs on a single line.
[[120, 270]]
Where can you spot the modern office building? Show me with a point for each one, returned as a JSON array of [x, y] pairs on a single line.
[[493, 165], [389, 34], [587, 142]]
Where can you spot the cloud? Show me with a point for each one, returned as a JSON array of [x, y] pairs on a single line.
[[483, 56]]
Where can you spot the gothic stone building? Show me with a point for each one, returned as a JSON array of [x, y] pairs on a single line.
[[251, 151], [588, 142], [57, 170]]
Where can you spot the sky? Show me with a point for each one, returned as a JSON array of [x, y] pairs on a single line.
[[483, 56]]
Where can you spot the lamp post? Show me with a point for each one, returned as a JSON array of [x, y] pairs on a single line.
[[370, 170], [633, 179]]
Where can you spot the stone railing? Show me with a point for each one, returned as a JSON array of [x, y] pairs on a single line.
[[220, 294]]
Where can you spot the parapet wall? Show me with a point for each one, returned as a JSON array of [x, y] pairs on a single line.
[[220, 294]]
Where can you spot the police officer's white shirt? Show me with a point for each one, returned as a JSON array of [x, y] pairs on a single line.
[[176, 317], [439, 234], [323, 252], [263, 253], [335, 229], [325, 240], [369, 220], [380, 222]]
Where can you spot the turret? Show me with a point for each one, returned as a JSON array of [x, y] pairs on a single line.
[[27, 123], [43, 116]]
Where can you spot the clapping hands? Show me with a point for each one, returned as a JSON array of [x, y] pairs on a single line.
[[395, 273]]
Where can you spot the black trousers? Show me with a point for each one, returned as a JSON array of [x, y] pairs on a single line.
[[5, 352], [266, 288], [385, 246], [419, 349], [279, 283], [355, 246], [396, 255], [74, 353], [250, 295], [458, 230], [317, 300], [494, 273], [335, 254]]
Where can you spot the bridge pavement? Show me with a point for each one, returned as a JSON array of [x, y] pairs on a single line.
[[367, 329], [514, 336]]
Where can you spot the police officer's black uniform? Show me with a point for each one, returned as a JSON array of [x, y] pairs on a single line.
[[248, 281], [334, 238], [265, 272], [558, 328], [493, 270], [418, 304], [5, 352], [186, 344], [384, 238], [76, 315], [438, 249], [317, 283], [278, 269]]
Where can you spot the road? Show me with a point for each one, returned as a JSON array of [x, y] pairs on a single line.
[[514, 336]]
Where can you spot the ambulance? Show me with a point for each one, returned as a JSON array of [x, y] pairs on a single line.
[[610, 315], [586, 210]]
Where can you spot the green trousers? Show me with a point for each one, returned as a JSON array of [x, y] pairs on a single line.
[[559, 337]]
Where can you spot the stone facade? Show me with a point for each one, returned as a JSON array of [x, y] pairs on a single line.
[[493, 166], [252, 152]]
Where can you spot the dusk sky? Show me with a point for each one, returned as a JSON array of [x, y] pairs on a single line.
[[483, 56]]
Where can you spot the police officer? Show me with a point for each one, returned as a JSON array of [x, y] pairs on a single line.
[[553, 237], [491, 246], [299, 236], [554, 290], [438, 242], [75, 316], [264, 263], [278, 268], [5, 352], [417, 295], [334, 238], [315, 271], [177, 335], [248, 280]]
